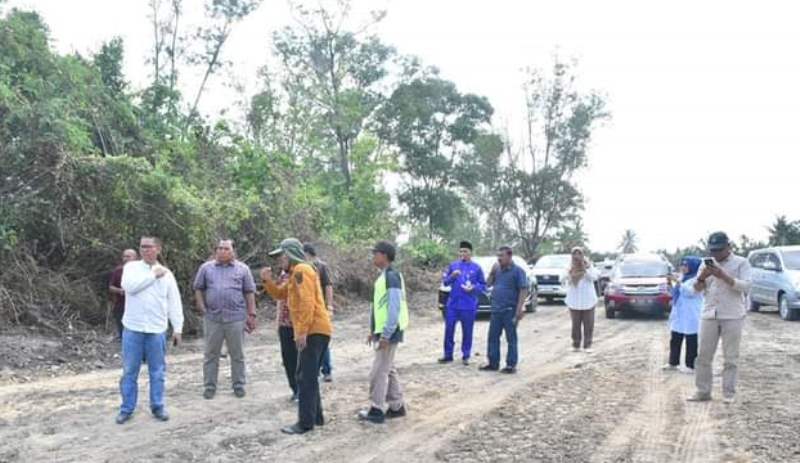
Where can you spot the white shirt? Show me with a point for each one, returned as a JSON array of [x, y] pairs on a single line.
[[150, 301], [583, 295], [723, 301]]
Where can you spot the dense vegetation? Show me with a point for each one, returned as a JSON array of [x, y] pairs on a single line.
[[90, 163]]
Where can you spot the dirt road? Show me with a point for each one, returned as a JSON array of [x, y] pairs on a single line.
[[613, 405]]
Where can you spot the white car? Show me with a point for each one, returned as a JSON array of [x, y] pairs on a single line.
[[549, 272]]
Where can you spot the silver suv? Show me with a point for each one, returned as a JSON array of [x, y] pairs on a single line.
[[776, 280]]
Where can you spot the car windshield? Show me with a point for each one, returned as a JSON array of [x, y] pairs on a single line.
[[487, 263], [792, 260], [553, 262], [643, 269]]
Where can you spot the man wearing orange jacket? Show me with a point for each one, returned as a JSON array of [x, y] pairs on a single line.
[[312, 328]]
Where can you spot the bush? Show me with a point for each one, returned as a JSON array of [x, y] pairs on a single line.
[[428, 253]]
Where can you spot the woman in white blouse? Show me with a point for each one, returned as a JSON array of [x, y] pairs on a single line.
[[581, 299]]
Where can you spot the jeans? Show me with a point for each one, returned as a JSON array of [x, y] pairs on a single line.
[[232, 333], [152, 347], [675, 343], [289, 355], [467, 320], [309, 408], [327, 368], [500, 322]]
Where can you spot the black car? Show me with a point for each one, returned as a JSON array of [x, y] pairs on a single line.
[[484, 299]]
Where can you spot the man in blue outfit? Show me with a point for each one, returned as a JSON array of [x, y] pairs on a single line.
[[466, 282], [509, 290]]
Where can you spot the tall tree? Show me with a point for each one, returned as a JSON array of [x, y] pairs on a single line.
[[435, 130], [784, 232], [336, 71], [629, 243], [535, 191]]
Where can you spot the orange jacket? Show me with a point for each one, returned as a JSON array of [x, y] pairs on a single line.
[[303, 294]]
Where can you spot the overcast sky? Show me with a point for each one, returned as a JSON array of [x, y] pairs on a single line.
[[704, 95]]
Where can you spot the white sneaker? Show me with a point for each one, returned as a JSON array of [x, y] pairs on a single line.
[[669, 367], [686, 370], [588, 350], [729, 399]]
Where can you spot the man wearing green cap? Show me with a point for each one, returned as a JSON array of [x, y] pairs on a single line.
[[312, 328], [725, 281]]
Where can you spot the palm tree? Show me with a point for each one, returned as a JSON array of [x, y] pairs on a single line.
[[629, 244]]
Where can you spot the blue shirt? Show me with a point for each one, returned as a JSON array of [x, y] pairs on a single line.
[[471, 274], [685, 315], [507, 283]]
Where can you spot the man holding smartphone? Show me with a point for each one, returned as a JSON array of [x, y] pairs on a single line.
[[725, 281]]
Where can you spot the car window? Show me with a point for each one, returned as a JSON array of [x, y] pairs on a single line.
[[554, 261], [757, 260], [771, 261], [644, 269], [792, 260]]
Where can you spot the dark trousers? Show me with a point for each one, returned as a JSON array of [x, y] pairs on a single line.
[[582, 319], [118, 312], [289, 355], [309, 411], [327, 367], [467, 320], [675, 349], [500, 322]]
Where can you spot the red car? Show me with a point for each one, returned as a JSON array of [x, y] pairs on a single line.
[[640, 283]]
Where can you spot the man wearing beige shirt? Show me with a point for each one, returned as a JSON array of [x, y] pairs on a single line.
[[725, 281]]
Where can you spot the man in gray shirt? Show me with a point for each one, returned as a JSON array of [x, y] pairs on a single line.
[[225, 293], [725, 281]]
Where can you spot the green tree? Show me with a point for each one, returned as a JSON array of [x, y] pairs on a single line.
[[434, 129], [784, 232]]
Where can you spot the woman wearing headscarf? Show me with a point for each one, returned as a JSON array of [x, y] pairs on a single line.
[[684, 320], [581, 299]]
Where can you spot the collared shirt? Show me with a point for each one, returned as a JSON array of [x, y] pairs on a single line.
[[116, 281], [471, 276], [685, 315], [150, 302], [283, 306], [723, 301], [224, 287], [506, 285], [582, 296]]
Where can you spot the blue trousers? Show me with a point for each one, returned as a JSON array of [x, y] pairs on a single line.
[[500, 322], [327, 367], [467, 320], [153, 348]]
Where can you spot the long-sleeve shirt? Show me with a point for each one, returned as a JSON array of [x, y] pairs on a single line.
[[471, 275], [685, 315], [303, 294], [581, 296], [723, 301], [150, 302]]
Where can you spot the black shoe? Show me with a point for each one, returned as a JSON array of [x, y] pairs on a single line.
[[294, 429], [509, 370], [295, 397], [208, 394], [327, 378], [372, 415], [465, 362], [445, 360], [399, 413], [161, 415], [239, 392], [488, 368], [123, 418], [320, 421]]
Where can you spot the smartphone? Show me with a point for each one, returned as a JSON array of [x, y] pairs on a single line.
[[709, 261]]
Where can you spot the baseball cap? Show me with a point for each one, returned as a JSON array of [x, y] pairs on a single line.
[[718, 241]]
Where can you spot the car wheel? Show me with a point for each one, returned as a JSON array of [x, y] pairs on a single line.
[[754, 306], [530, 307], [783, 309], [610, 313], [549, 299], [444, 315]]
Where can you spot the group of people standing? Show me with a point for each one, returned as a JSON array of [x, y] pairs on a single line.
[[709, 304], [224, 289]]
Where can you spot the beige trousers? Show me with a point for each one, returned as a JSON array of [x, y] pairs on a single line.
[[384, 383], [711, 331]]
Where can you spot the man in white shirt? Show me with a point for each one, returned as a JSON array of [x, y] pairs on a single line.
[[152, 300], [725, 281]]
